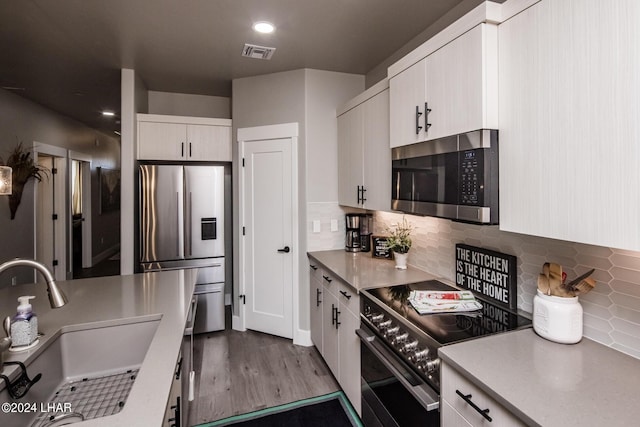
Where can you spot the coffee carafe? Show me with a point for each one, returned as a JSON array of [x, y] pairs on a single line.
[[366, 229], [352, 238]]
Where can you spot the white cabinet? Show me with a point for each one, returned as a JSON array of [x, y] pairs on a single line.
[[334, 321], [364, 156], [173, 411], [316, 295], [183, 138], [451, 91], [569, 129], [464, 404]]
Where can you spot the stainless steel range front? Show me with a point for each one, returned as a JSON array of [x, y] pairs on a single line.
[[399, 352]]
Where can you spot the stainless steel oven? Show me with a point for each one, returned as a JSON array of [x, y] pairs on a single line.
[[392, 394], [400, 367]]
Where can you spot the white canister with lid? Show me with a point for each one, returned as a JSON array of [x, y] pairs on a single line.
[[557, 319]]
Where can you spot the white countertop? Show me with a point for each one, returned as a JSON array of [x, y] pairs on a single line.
[[550, 384], [361, 271], [108, 299]]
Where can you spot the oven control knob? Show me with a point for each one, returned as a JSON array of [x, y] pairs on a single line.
[[377, 318], [384, 325], [420, 355], [400, 338], [392, 331], [410, 347], [432, 365]]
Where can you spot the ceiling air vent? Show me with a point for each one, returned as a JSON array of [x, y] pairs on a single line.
[[258, 52]]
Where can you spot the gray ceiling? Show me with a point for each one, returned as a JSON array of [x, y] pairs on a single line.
[[67, 54]]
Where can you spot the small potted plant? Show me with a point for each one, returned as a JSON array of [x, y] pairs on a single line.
[[399, 242]]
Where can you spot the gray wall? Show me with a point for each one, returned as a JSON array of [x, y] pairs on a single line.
[[23, 120], [310, 98], [183, 104], [259, 101], [379, 72]]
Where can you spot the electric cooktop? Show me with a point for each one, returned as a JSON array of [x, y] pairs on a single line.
[[447, 328]]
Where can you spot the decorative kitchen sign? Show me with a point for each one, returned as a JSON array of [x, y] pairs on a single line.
[[380, 249], [487, 273]]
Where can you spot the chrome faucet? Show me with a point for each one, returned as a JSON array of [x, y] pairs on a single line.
[[57, 298]]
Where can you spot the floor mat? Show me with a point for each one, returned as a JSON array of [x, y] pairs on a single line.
[[329, 410]]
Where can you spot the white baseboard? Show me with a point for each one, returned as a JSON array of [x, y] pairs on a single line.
[[302, 337], [237, 324]]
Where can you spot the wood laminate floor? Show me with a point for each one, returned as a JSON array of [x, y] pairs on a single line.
[[240, 372]]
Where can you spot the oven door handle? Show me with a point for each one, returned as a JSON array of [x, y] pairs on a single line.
[[422, 392]]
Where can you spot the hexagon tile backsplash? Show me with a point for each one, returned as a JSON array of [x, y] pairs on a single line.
[[611, 310]]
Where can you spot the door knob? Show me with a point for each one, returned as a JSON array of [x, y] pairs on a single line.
[[285, 250]]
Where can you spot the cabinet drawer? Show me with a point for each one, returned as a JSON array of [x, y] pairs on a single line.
[[315, 272], [348, 298], [452, 382]]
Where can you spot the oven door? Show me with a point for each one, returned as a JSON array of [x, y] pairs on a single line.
[[392, 395]]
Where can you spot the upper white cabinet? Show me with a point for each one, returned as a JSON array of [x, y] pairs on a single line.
[[364, 156], [183, 138], [569, 129], [453, 90]]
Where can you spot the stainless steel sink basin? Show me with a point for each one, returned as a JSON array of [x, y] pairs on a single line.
[[94, 361]]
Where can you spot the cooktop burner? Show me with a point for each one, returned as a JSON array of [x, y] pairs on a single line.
[[447, 328]]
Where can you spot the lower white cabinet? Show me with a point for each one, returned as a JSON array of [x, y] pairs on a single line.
[[173, 412], [465, 404], [334, 321], [316, 295]]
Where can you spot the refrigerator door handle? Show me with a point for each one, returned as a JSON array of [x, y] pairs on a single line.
[[189, 226], [178, 222]]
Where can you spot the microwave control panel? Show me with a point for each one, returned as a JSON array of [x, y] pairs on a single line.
[[471, 167]]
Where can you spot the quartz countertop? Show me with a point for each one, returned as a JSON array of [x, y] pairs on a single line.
[[361, 271], [550, 384], [109, 300]]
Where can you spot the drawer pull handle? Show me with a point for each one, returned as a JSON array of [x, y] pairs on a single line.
[[467, 398], [346, 295], [313, 267], [327, 278]]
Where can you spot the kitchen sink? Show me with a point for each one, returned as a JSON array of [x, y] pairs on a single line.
[[87, 372]]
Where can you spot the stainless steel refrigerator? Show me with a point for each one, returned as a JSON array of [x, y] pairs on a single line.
[[182, 225]]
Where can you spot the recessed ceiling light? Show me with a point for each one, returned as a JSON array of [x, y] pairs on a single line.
[[108, 113], [264, 27]]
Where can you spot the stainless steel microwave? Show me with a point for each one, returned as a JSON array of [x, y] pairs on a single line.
[[454, 177]]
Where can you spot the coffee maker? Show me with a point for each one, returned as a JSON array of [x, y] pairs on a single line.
[[352, 239], [366, 229]]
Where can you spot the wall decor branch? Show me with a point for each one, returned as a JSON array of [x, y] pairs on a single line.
[[24, 169]]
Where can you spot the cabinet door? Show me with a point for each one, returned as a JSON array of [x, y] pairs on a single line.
[[329, 331], [349, 356], [209, 143], [453, 382], [458, 80], [569, 110], [350, 140], [406, 92], [161, 141], [377, 154], [315, 306]]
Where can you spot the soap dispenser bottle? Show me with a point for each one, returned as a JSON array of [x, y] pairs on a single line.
[[24, 325]]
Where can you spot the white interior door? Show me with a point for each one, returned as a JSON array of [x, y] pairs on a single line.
[[51, 210], [268, 228]]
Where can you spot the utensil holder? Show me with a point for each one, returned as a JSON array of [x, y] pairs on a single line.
[[558, 319]]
